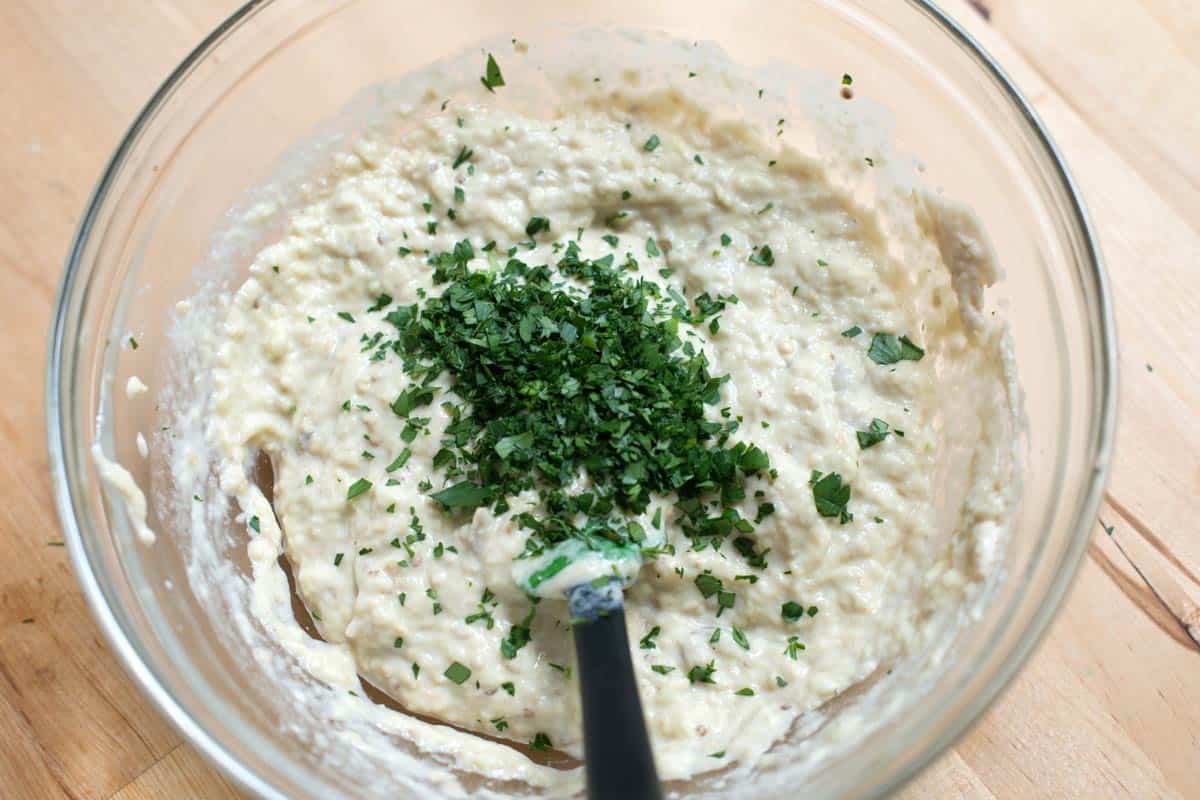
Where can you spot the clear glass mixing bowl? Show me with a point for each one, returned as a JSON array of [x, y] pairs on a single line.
[[277, 71]]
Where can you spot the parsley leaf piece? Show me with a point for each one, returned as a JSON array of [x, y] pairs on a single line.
[[852, 331], [875, 433], [457, 673], [360, 486], [887, 348], [739, 637], [399, 461], [463, 494], [763, 256], [648, 641], [792, 611], [652, 143], [491, 76], [831, 496], [702, 674]]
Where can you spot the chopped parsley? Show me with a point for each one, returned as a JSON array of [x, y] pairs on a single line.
[[254, 524], [519, 635], [652, 247], [745, 692], [648, 641], [739, 637], [464, 155], [763, 256], [457, 673], [792, 611], [886, 349], [793, 648], [852, 331], [831, 495], [554, 379], [875, 433], [662, 669], [725, 240], [541, 742], [491, 75], [702, 674], [360, 486], [651, 144]]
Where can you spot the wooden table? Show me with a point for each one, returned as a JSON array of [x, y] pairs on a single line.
[[1110, 704]]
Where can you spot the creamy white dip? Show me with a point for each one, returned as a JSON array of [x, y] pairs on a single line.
[[291, 380]]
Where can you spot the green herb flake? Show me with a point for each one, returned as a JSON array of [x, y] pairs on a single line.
[[254, 525], [337, 559], [360, 486], [463, 495], [491, 78], [739, 638], [831, 495], [702, 674], [648, 642], [652, 143], [886, 348], [745, 692], [346, 315], [509, 687], [852, 331], [794, 646], [792, 611], [457, 673], [725, 240], [662, 669], [399, 461], [875, 433], [541, 742], [763, 256]]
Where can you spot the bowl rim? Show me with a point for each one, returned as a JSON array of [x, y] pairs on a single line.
[[1100, 444]]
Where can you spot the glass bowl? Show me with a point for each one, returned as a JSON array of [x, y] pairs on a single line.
[[277, 72]]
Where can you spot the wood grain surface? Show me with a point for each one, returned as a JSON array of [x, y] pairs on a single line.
[[1110, 704]]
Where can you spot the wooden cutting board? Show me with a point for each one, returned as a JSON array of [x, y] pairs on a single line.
[[1110, 704]]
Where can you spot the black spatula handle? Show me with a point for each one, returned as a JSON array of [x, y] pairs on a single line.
[[620, 764]]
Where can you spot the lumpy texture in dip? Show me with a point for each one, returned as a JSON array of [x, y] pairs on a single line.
[[849, 330]]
